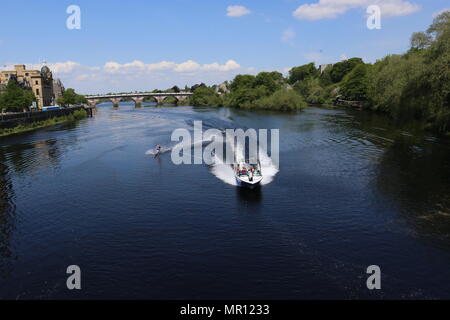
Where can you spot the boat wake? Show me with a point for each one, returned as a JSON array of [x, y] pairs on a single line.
[[225, 172], [152, 152]]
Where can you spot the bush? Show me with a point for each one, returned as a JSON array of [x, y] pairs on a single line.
[[204, 96], [282, 100], [312, 91]]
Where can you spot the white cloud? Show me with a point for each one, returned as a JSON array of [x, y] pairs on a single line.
[[328, 9], [138, 75], [187, 66], [228, 66], [237, 11], [288, 35]]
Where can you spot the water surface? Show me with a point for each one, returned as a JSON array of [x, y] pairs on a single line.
[[352, 190]]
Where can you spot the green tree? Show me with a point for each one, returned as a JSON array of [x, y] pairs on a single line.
[[341, 69], [244, 97], [195, 86], [71, 97], [243, 81], [440, 24], [312, 91], [355, 84], [14, 98], [272, 81], [204, 96], [303, 72], [420, 40], [430, 91], [282, 100]]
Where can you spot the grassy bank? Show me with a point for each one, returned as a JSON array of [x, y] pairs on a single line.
[[76, 115]]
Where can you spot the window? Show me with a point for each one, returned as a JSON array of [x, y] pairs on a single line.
[[37, 82], [26, 74], [37, 92]]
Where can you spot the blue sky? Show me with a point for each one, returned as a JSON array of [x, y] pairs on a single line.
[[142, 45]]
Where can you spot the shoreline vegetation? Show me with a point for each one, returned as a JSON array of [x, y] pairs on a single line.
[[17, 98], [21, 128], [407, 87]]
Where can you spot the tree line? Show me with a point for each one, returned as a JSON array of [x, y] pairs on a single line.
[[413, 85]]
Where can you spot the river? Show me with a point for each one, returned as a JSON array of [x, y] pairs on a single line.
[[352, 190]]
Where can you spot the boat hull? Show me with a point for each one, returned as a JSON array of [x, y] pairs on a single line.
[[242, 183]]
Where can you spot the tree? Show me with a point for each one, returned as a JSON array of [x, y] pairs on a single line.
[[242, 81], [204, 96], [283, 100], [302, 72], [15, 98], [440, 23], [242, 97], [355, 84], [312, 91], [341, 69], [420, 40], [71, 97], [272, 81]]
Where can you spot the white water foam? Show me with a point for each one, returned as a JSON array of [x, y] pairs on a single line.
[[152, 152], [224, 171]]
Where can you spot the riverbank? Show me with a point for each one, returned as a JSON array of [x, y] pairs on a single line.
[[25, 127]]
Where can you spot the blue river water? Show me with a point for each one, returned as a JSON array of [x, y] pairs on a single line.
[[352, 190]]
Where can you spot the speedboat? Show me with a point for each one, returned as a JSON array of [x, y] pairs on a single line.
[[247, 174]]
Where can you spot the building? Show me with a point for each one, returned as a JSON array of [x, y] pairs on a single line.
[[222, 88], [41, 82], [58, 89], [322, 67]]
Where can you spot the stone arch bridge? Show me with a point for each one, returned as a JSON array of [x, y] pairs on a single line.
[[136, 97]]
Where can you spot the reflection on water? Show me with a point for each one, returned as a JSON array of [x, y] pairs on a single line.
[[418, 178], [413, 171], [6, 219], [249, 195]]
